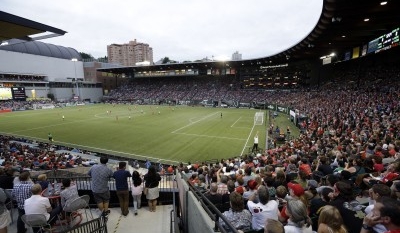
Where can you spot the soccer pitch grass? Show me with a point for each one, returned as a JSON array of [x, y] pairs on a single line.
[[169, 134]]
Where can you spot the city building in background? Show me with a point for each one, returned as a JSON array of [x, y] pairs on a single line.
[[129, 54], [236, 56]]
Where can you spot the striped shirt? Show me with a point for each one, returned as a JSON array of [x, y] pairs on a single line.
[[100, 174], [21, 192]]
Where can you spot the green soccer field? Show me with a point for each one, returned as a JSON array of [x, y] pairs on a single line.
[[170, 134]]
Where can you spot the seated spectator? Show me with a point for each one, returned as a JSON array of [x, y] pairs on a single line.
[[298, 222], [330, 221], [37, 204], [390, 174], [273, 226], [386, 212], [377, 191], [252, 186], [213, 196], [239, 217], [69, 193], [281, 193], [42, 180], [343, 199], [263, 210], [316, 206], [296, 192], [395, 188]]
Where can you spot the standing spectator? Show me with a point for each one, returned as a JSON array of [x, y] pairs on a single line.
[[298, 222], [237, 215], [37, 204], [121, 184], [330, 221], [5, 218], [255, 145], [137, 190], [152, 179], [100, 174], [20, 193]]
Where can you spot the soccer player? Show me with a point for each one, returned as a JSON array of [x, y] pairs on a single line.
[[50, 137]]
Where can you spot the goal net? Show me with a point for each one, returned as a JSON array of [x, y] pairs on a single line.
[[259, 118]]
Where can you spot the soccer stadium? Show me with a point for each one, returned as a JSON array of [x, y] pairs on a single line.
[[305, 140]]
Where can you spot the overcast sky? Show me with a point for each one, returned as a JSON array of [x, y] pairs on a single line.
[[178, 29]]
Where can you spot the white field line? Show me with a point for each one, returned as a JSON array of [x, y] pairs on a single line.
[[248, 138], [235, 122], [194, 122], [208, 136], [99, 149]]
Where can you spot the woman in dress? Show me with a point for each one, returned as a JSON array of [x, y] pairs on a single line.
[[151, 179], [137, 190]]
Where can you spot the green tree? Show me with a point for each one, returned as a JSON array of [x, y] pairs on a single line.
[[50, 96], [86, 55], [165, 60]]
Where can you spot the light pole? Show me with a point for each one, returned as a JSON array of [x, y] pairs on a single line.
[[74, 60]]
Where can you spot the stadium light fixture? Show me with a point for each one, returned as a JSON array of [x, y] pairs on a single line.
[[383, 3]]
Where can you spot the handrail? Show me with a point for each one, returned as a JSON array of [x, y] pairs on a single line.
[[210, 208]]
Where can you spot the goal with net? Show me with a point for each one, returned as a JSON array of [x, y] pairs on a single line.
[[259, 118]]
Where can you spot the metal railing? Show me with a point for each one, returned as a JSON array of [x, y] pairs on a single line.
[[83, 183], [97, 225], [212, 211]]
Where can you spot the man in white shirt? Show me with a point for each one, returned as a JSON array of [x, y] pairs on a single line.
[[37, 204], [263, 210], [255, 145]]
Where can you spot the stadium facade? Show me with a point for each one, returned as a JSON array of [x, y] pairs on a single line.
[[46, 70]]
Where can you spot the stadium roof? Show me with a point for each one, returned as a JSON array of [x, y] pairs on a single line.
[[342, 26], [15, 27], [18, 34], [41, 49]]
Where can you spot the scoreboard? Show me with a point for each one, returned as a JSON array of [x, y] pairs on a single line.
[[18, 93], [384, 42]]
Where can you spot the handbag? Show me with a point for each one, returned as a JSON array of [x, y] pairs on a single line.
[[145, 190]]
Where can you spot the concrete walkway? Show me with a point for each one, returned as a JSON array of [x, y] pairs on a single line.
[[145, 221]]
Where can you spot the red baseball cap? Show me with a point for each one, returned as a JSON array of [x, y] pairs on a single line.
[[298, 190], [239, 190]]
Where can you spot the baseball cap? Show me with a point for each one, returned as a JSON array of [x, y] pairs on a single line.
[[239, 190], [252, 184], [312, 184], [298, 190]]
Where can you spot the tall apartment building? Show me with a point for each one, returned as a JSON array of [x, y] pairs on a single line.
[[236, 56], [129, 54]]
